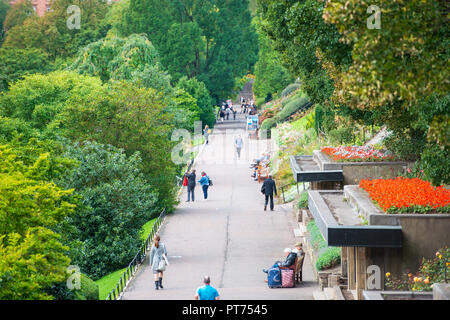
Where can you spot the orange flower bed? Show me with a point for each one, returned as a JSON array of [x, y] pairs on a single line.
[[407, 195]]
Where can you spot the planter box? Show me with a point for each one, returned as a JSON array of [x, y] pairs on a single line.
[[353, 172], [342, 226], [422, 234]]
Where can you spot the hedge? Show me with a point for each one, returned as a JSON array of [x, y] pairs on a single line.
[[328, 257], [289, 89]]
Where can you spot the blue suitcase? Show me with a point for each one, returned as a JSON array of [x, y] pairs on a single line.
[[274, 278]]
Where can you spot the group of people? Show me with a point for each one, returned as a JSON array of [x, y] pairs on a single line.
[[158, 261], [260, 167], [190, 181], [249, 108], [291, 256], [226, 110]]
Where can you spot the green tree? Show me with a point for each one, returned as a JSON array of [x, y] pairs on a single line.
[[32, 257], [116, 202], [15, 63], [213, 41], [270, 75], [18, 13], [4, 8], [51, 33], [130, 118], [199, 91]]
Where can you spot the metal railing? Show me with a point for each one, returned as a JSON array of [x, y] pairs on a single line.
[[137, 260]]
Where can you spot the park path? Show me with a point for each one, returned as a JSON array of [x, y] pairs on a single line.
[[228, 237]]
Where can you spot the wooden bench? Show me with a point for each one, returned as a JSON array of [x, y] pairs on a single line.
[[298, 268]]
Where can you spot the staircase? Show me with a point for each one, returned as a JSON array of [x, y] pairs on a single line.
[[247, 93]]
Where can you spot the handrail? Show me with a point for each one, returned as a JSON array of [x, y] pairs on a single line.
[[137, 260]]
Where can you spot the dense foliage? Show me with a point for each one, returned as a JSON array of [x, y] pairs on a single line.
[[211, 40], [394, 76], [116, 202]]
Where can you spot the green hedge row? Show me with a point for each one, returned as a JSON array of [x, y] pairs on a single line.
[[329, 257]]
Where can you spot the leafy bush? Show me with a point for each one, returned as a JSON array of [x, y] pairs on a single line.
[[116, 203], [435, 162], [303, 201], [343, 135], [330, 258], [291, 107], [268, 124], [290, 89], [89, 290]]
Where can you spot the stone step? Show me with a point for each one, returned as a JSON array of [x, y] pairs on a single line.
[[319, 295], [338, 292], [302, 228], [298, 233], [330, 293]]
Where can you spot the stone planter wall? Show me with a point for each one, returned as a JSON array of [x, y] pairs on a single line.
[[355, 171], [423, 234]]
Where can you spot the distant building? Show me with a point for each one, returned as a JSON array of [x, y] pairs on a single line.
[[40, 6]]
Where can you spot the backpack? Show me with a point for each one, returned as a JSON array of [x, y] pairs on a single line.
[[210, 181]]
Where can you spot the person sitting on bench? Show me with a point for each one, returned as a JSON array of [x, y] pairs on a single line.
[[289, 262]]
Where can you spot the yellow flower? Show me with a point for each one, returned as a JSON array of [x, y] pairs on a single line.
[[416, 279], [427, 281], [388, 274], [440, 256], [409, 275]]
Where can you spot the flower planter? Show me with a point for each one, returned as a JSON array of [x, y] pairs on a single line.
[[422, 234], [353, 172]]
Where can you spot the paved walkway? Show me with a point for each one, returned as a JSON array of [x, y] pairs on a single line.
[[229, 236]]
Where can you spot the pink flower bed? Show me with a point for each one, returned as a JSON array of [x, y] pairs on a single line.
[[356, 153]]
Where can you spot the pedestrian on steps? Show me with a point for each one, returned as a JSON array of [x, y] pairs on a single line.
[[158, 261], [268, 189]]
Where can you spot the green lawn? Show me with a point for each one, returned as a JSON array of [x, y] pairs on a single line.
[[109, 282]]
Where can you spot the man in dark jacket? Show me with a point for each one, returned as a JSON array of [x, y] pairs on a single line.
[[268, 189], [289, 262], [190, 185]]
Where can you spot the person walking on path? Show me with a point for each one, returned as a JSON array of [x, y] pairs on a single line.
[[207, 292], [234, 113], [158, 261], [204, 182], [268, 189], [206, 132], [238, 143], [191, 185], [228, 111], [222, 115]]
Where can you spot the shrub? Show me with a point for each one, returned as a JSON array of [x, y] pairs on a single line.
[[330, 258], [117, 201], [292, 107], [88, 289], [268, 124], [290, 88], [343, 135], [303, 201]]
